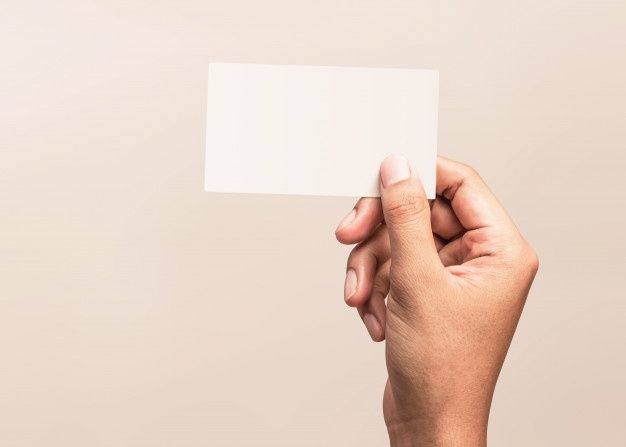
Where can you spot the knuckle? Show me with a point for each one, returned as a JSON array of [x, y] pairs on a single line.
[[407, 207], [469, 171], [468, 177], [480, 241], [525, 259], [471, 176], [475, 237], [532, 261], [365, 253]]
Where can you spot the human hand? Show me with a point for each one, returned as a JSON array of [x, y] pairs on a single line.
[[456, 274]]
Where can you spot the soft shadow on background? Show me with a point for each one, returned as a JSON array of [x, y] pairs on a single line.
[[137, 310]]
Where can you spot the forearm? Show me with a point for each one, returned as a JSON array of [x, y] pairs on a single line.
[[452, 429]]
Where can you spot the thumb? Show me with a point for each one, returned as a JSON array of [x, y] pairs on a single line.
[[407, 216]]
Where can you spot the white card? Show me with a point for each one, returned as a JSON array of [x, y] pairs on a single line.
[[288, 129]]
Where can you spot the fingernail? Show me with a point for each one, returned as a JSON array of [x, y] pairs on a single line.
[[349, 287], [372, 325], [394, 169], [346, 221]]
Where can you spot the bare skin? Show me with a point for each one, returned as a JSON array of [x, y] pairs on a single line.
[[444, 283]]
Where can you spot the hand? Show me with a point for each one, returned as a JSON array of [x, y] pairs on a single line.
[[456, 274]]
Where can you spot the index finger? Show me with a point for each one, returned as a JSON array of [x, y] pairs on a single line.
[[472, 201], [361, 222]]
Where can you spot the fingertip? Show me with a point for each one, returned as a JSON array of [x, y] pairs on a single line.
[[399, 182], [347, 220], [360, 222], [358, 283], [346, 237], [351, 285], [373, 326], [395, 168], [359, 296]]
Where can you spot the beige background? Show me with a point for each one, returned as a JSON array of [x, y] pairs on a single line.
[[137, 310]]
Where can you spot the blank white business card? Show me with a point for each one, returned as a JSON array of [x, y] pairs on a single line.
[[316, 130]]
